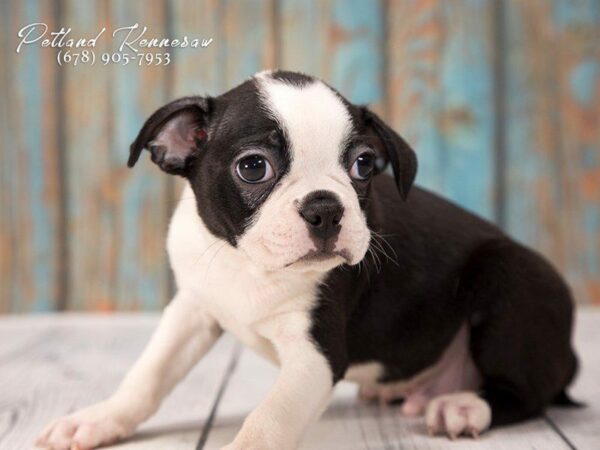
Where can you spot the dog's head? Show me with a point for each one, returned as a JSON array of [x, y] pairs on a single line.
[[280, 167]]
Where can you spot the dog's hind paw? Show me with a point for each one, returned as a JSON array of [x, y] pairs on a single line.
[[460, 413]]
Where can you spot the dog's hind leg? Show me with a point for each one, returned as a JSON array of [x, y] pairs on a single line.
[[521, 322]]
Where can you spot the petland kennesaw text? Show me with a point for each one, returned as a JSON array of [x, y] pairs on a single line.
[[127, 37]]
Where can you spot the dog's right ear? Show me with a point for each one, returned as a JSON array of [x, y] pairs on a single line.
[[174, 134], [399, 153]]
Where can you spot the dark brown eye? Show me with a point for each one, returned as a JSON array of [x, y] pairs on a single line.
[[254, 169], [362, 167]]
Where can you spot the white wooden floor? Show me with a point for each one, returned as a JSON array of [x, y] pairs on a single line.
[[51, 365]]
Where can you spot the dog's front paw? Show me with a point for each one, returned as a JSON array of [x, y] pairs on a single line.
[[259, 442], [460, 413], [89, 428], [235, 446], [249, 446], [231, 446]]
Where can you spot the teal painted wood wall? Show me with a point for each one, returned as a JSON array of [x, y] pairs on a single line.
[[501, 100]]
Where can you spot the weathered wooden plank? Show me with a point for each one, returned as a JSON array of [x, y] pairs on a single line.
[[349, 424], [117, 217], [139, 204], [30, 263], [196, 71], [580, 81], [578, 66], [580, 426], [90, 187], [553, 154], [305, 36], [553, 142], [440, 85], [339, 41], [533, 130], [58, 373], [49, 366], [248, 42]]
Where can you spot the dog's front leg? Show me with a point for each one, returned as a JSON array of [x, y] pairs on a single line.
[[184, 335], [300, 394]]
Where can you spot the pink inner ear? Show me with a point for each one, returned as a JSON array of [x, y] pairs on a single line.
[[201, 134], [179, 136]]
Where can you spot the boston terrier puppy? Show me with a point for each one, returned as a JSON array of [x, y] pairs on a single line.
[[289, 236]]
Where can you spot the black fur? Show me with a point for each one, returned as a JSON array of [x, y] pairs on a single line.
[[446, 266], [234, 122], [401, 156]]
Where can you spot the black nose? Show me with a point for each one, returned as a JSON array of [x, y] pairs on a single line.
[[322, 212]]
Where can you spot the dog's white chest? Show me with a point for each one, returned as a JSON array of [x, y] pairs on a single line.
[[237, 294], [232, 299]]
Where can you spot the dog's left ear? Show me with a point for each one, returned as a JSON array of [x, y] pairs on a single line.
[[401, 156], [174, 135]]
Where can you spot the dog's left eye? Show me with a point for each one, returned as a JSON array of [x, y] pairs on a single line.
[[254, 169], [363, 167]]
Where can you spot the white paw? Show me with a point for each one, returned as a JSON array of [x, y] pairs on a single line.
[[460, 413], [257, 444], [86, 429], [248, 446]]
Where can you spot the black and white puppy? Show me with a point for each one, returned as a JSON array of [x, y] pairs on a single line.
[[288, 237]]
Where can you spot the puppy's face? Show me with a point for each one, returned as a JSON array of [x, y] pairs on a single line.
[[280, 167]]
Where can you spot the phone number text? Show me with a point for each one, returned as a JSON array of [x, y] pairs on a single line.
[[89, 57]]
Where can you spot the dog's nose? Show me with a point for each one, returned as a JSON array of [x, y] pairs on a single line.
[[322, 212]]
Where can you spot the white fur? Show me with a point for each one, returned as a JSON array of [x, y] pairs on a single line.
[[219, 288], [317, 126], [256, 291], [233, 290], [365, 373], [237, 289], [269, 312], [183, 336], [458, 413]]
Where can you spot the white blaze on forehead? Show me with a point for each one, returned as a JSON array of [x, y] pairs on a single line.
[[316, 121]]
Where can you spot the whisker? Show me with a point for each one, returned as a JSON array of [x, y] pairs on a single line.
[[364, 263], [379, 247], [384, 240], [212, 259], [377, 241], [375, 257], [207, 249]]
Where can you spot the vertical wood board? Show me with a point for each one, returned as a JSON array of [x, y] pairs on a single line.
[[553, 138], [440, 93], [30, 264]]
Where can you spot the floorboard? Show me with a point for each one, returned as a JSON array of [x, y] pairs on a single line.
[[51, 365], [581, 426], [348, 424]]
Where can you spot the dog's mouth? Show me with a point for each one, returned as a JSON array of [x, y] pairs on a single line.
[[319, 256]]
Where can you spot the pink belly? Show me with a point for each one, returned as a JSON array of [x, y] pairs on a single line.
[[455, 371]]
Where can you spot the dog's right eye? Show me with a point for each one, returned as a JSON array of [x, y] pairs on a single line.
[[254, 169], [363, 167]]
